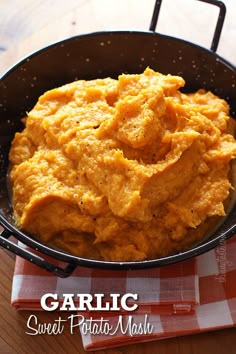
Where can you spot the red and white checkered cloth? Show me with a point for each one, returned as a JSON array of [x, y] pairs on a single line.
[[189, 297]]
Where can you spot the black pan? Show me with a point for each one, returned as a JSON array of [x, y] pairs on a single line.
[[105, 54]]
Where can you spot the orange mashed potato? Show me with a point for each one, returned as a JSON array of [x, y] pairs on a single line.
[[122, 170]]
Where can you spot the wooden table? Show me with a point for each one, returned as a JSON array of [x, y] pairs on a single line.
[[27, 25]]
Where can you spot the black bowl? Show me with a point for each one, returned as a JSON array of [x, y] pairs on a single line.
[[100, 55]]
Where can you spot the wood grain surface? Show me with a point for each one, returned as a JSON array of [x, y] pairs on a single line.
[[28, 25]]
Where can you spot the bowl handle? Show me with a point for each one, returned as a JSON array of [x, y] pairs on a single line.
[[34, 258], [219, 24]]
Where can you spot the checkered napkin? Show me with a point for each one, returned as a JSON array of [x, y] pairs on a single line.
[[189, 297]]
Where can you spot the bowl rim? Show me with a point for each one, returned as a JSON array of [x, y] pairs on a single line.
[[61, 42]]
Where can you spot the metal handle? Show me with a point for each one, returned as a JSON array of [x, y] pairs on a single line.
[[34, 258], [219, 24]]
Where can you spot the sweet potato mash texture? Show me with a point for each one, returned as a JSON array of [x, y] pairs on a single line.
[[122, 170]]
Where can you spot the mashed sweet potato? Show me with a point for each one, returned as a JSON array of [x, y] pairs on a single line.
[[122, 170]]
